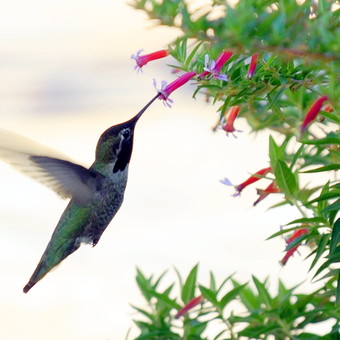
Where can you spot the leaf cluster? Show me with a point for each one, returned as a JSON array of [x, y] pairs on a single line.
[[299, 61], [231, 309]]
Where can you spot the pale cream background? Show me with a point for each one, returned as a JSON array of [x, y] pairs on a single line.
[[66, 76]]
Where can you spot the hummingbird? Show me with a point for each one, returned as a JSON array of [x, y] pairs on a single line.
[[96, 193]]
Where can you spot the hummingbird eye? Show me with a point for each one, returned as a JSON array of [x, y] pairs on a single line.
[[126, 133]]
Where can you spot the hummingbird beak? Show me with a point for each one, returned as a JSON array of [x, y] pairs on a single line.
[[138, 115]]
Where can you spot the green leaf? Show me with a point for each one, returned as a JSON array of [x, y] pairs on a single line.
[[335, 238], [212, 281], [155, 285], [165, 298], [332, 259], [220, 334], [231, 296], [144, 285], [297, 155], [263, 292], [323, 168], [296, 241], [333, 207], [326, 196], [321, 248], [247, 296], [322, 204], [224, 282], [285, 179], [327, 140], [192, 54], [331, 116], [254, 332], [188, 291], [179, 278], [283, 231], [338, 289], [145, 313], [209, 295], [331, 274], [275, 152], [309, 220]]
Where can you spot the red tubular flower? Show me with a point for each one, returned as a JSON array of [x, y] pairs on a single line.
[[214, 67], [141, 60], [252, 66], [313, 112], [252, 179], [297, 233], [272, 188], [166, 89], [191, 304], [228, 127]]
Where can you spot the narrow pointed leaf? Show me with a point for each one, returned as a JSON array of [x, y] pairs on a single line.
[[164, 298], [297, 156], [296, 241], [192, 54], [275, 152], [322, 204], [212, 281], [327, 140], [231, 295], [263, 292], [338, 289], [332, 259], [285, 179], [323, 168], [320, 249], [189, 287], [335, 238], [224, 282], [333, 207], [209, 295], [282, 231], [145, 313], [179, 278], [219, 334], [326, 196], [247, 296], [155, 285], [308, 220]]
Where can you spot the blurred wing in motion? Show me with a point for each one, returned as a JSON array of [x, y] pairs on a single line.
[[48, 167]]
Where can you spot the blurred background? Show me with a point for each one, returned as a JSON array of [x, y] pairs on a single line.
[[66, 76]]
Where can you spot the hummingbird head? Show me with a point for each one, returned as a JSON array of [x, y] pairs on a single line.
[[116, 143]]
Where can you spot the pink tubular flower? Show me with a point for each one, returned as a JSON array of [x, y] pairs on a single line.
[[252, 66], [228, 127], [141, 60], [313, 112], [252, 179], [214, 68], [296, 234], [191, 304], [166, 89], [272, 188]]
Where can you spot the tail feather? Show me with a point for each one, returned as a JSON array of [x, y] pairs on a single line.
[[50, 260], [29, 285]]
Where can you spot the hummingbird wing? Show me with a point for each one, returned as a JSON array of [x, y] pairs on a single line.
[[66, 178]]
